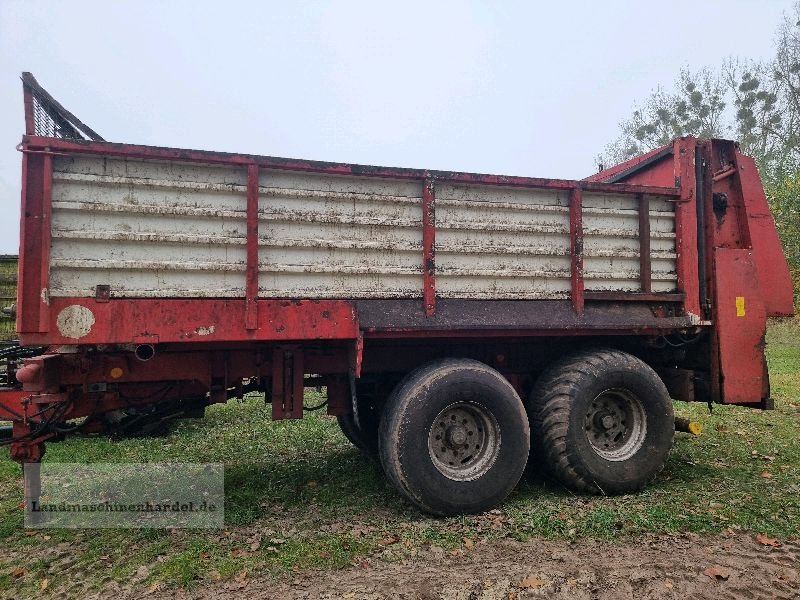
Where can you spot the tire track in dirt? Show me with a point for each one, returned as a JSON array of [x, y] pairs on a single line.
[[659, 567]]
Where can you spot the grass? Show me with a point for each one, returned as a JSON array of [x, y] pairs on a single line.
[[299, 497]]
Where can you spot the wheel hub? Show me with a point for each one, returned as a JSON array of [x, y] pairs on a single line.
[[615, 425], [463, 441], [456, 436], [607, 422]]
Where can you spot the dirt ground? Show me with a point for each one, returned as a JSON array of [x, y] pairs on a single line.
[[686, 566]]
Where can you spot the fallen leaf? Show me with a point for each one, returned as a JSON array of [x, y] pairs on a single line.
[[388, 541], [205, 555], [764, 540], [717, 573], [468, 543], [241, 575], [324, 554], [572, 582], [531, 582], [154, 588], [44, 584], [18, 572], [765, 474]]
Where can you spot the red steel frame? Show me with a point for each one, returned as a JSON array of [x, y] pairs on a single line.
[[276, 342], [37, 310], [429, 246], [251, 290], [576, 248], [214, 360]]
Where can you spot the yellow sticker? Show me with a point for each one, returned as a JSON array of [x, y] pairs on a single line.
[[739, 306]]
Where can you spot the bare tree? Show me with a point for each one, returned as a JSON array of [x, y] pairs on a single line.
[[695, 107]]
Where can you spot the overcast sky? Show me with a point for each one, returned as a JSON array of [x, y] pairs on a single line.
[[515, 88]]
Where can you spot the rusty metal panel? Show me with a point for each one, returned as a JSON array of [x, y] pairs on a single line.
[[511, 317], [153, 320]]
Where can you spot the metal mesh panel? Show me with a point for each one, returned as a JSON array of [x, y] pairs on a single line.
[[49, 123], [46, 117]]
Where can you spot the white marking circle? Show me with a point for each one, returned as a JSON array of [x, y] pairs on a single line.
[[75, 321]]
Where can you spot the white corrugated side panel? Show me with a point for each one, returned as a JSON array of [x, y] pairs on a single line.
[[160, 229], [147, 229], [611, 243], [326, 236]]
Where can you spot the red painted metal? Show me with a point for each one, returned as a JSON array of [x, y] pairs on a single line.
[[641, 161], [251, 285], [429, 246], [268, 162], [11, 402], [30, 126], [740, 326], [339, 401], [147, 320], [686, 227], [287, 383], [32, 294], [773, 271], [645, 273], [576, 248], [44, 241], [358, 355]]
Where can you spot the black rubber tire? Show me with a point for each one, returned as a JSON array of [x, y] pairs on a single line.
[[557, 408], [410, 414], [371, 395], [365, 439]]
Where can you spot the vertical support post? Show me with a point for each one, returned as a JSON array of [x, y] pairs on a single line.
[[251, 286], [645, 268], [686, 227], [30, 122], [33, 296], [576, 247], [45, 240], [429, 246], [287, 383]]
